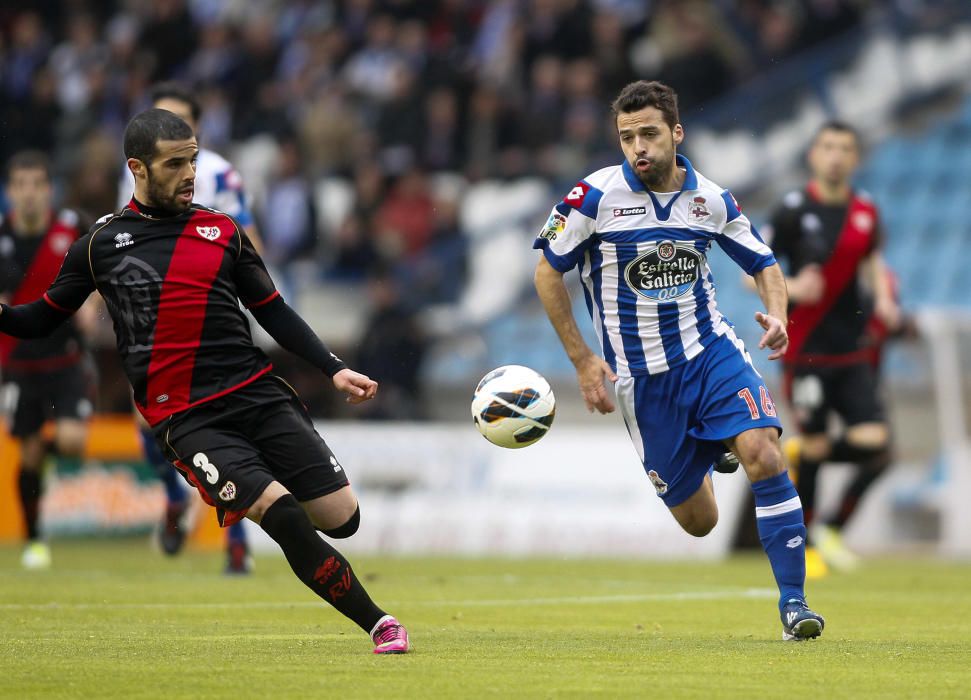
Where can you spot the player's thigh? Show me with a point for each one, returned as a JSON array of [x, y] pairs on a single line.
[[72, 394], [808, 395], [699, 513], [658, 424], [859, 403], [220, 461], [26, 405], [297, 455]]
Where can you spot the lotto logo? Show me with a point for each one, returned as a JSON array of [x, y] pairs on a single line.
[[794, 542], [577, 195]]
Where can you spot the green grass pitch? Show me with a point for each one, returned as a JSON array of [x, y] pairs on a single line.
[[114, 619]]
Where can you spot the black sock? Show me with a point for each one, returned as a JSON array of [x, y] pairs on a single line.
[[321, 567], [806, 487], [29, 485], [869, 467]]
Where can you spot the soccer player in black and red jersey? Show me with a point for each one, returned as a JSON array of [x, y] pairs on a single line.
[[46, 378], [830, 235], [172, 274]]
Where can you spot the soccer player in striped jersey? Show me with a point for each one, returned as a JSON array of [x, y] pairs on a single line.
[[639, 234]]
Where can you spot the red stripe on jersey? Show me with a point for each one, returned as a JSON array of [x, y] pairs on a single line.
[[195, 262], [41, 273], [260, 303], [854, 244]]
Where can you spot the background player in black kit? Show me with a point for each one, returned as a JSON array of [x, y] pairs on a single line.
[[172, 275], [831, 237], [46, 378]]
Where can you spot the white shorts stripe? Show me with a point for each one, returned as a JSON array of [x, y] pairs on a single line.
[[779, 508]]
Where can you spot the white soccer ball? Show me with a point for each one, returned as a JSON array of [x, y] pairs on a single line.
[[513, 406]]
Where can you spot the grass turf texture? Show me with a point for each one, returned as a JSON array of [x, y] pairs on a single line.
[[115, 619]]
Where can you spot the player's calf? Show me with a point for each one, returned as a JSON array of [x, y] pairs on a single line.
[[322, 568]]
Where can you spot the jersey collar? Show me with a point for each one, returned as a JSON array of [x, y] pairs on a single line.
[[690, 183]]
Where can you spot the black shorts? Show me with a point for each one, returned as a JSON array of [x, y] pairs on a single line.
[[233, 447], [851, 392], [31, 398]]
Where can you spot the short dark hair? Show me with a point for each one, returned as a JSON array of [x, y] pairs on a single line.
[[841, 127], [147, 128], [643, 93], [29, 160], [176, 91]]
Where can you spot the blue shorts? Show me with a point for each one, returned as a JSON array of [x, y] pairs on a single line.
[[678, 419]]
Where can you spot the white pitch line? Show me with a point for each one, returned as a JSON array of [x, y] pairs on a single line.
[[736, 594]]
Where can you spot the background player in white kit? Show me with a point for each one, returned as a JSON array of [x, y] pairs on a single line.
[[218, 186], [639, 234]]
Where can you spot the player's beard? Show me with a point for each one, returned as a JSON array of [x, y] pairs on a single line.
[[160, 197], [658, 173]]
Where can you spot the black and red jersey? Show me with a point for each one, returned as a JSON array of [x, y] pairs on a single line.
[[28, 265], [172, 285], [838, 238]]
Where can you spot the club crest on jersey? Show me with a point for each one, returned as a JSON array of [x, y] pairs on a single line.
[[660, 485], [554, 226], [228, 491], [667, 272], [698, 209], [123, 239], [209, 232]]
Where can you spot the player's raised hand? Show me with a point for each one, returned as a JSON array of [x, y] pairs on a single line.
[[775, 337], [358, 387], [590, 376]]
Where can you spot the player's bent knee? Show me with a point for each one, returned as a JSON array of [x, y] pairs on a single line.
[[347, 529], [764, 460], [271, 494]]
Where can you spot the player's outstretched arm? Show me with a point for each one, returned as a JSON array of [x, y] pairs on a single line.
[[35, 319], [292, 333], [771, 284], [591, 368]]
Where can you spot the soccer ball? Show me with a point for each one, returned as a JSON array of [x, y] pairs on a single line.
[[513, 406]]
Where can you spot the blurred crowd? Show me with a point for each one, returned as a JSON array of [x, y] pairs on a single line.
[[386, 94]]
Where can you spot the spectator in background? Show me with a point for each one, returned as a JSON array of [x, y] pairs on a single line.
[[405, 218], [291, 232], [392, 348], [441, 136], [437, 274]]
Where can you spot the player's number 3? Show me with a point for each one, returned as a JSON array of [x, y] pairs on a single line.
[[203, 463]]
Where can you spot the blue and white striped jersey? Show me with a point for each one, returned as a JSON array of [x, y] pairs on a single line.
[[642, 258]]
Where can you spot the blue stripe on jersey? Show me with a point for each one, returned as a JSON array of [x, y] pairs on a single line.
[[745, 258], [667, 316], [702, 312], [731, 208], [627, 312], [596, 279], [655, 233], [562, 263], [563, 208], [756, 233]]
